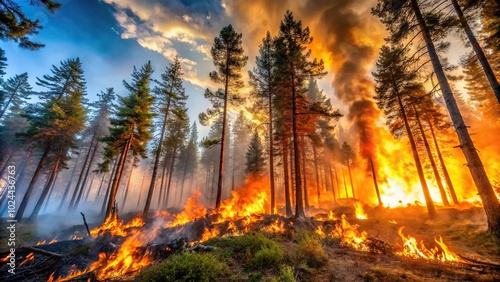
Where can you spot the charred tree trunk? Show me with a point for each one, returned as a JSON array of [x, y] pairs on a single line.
[[443, 167], [162, 184], [288, 204], [271, 152], [478, 50], [488, 197], [27, 195], [46, 189], [86, 198], [145, 212], [444, 197], [299, 204]]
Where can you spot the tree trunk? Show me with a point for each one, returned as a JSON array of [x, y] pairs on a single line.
[[444, 197], [271, 153], [288, 204], [46, 189], [162, 184], [108, 189], [306, 196], [87, 195], [26, 198], [443, 167], [68, 185], [380, 204], [140, 191], [76, 192], [425, 189], [299, 204], [170, 173], [478, 50], [19, 176], [51, 189], [117, 177], [85, 178], [317, 175], [145, 212], [350, 177], [488, 197]]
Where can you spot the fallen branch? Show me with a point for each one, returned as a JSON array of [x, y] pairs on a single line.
[[43, 252]]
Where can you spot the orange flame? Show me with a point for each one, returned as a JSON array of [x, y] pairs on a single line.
[[416, 250], [360, 212], [28, 258], [192, 211], [277, 227], [117, 227]]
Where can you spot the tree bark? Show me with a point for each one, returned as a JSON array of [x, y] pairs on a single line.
[[108, 189], [128, 184], [27, 195], [478, 50], [443, 167], [299, 204], [306, 196], [51, 189], [271, 150], [439, 183], [488, 197]]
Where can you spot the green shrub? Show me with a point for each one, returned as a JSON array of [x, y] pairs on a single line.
[[286, 274], [255, 250], [187, 267], [311, 250]]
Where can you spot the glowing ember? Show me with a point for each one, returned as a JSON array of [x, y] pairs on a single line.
[[360, 212], [75, 273], [28, 258], [5, 258], [416, 250], [116, 227], [41, 242]]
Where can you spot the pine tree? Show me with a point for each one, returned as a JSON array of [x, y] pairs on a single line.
[[15, 26], [3, 65], [130, 129], [227, 54], [408, 14], [169, 94], [54, 123], [16, 89], [292, 61], [255, 160], [263, 80]]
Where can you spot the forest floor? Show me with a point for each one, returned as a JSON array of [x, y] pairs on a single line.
[[296, 253]]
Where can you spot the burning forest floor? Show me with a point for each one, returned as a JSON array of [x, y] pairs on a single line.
[[331, 246]]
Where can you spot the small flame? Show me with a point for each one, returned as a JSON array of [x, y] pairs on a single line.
[[5, 258], [117, 227], [416, 250], [360, 212], [192, 211], [277, 227], [208, 234], [28, 258]]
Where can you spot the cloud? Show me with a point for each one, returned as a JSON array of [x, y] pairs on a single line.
[[166, 26]]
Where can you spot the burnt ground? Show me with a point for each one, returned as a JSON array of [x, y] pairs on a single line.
[[463, 230]]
